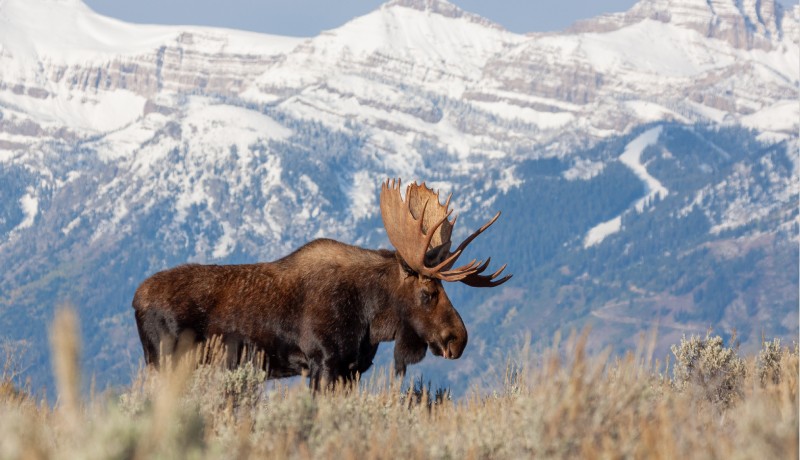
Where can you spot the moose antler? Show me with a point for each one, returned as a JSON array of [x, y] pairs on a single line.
[[419, 228]]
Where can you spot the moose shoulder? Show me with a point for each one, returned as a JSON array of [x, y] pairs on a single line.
[[324, 309]]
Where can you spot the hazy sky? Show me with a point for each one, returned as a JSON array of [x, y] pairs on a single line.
[[308, 17]]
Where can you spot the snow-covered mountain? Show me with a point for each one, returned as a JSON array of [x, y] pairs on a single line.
[[127, 148], [64, 66]]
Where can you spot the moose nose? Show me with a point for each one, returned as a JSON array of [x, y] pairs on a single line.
[[453, 345]]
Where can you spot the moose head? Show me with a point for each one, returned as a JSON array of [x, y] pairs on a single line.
[[420, 228]]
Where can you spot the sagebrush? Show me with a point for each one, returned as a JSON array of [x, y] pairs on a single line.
[[714, 404]]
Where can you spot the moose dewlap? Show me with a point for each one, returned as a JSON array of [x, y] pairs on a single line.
[[324, 309]]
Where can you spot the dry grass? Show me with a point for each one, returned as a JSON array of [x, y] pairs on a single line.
[[567, 405]]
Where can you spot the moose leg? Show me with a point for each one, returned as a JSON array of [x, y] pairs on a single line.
[[363, 361], [324, 372], [234, 349], [315, 371], [320, 378], [159, 335], [149, 343]]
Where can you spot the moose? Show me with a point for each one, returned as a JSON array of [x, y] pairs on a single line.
[[323, 310]]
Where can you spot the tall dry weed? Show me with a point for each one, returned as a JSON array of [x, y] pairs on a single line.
[[65, 345]]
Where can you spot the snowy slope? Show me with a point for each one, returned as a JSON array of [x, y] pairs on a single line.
[[64, 66], [69, 32]]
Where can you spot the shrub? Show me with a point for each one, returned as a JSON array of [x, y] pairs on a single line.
[[705, 366], [243, 385], [768, 362]]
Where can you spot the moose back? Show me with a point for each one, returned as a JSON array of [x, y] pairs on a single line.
[[323, 310]]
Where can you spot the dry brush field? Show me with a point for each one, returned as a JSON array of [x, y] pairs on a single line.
[[706, 402]]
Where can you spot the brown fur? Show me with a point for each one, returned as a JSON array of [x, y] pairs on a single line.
[[322, 310]]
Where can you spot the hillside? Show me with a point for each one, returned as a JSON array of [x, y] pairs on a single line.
[[645, 163]]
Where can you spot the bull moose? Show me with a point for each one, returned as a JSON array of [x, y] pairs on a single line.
[[323, 310]]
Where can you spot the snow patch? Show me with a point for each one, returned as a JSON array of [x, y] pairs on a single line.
[[600, 231], [231, 125], [362, 195], [583, 169], [30, 208], [508, 180], [651, 47], [649, 112], [71, 226], [97, 112], [124, 142], [226, 243], [783, 116], [631, 157]]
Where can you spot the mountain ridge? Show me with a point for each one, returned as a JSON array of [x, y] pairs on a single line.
[[283, 68]]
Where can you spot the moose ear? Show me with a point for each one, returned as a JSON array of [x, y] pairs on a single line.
[[436, 255]]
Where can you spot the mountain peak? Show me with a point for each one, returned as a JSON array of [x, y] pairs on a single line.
[[431, 34], [442, 8], [742, 23]]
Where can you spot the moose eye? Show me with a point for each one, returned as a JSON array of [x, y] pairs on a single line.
[[428, 298]]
